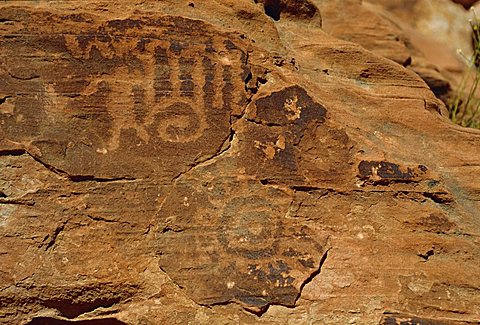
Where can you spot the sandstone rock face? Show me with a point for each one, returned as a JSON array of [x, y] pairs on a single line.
[[432, 38], [466, 3], [197, 162], [435, 28]]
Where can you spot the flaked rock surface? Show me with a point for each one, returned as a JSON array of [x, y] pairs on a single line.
[[204, 162]]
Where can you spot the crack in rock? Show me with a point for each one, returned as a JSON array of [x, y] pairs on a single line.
[[4, 99], [314, 274], [60, 321], [226, 145], [53, 237], [16, 201], [27, 78], [106, 220], [64, 174], [261, 311]]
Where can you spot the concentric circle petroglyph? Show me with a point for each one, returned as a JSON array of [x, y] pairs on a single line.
[[249, 227], [236, 231]]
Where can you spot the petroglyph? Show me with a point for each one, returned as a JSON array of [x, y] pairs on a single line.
[[168, 94], [271, 149], [292, 108], [127, 89], [248, 228], [248, 222]]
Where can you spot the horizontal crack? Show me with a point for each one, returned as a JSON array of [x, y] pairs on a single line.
[[171, 229], [4, 99], [106, 220], [61, 321], [89, 178], [17, 201], [12, 152], [436, 197], [306, 188], [64, 174], [23, 78], [270, 124]]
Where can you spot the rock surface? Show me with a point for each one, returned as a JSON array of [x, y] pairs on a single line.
[[227, 162], [433, 29], [466, 3]]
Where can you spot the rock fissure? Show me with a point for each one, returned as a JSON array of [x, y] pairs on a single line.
[[72, 309], [314, 274], [226, 145], [26, 78], [427, 255], [91, 321], [263, 123], [52, 238], [16, 201], [73, 178], [96, 218], [309, 188], [252, 86], [91, 178], [439, 197], [12, 152], [4, 99], [171, 229]]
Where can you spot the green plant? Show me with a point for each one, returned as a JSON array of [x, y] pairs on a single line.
[[465, 107]]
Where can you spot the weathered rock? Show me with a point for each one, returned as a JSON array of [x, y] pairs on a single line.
[[428, 37], [196, 162], [438, 36], [466, 3], [436, 29]]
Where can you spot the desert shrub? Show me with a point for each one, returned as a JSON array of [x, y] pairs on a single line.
[[465, 106]]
